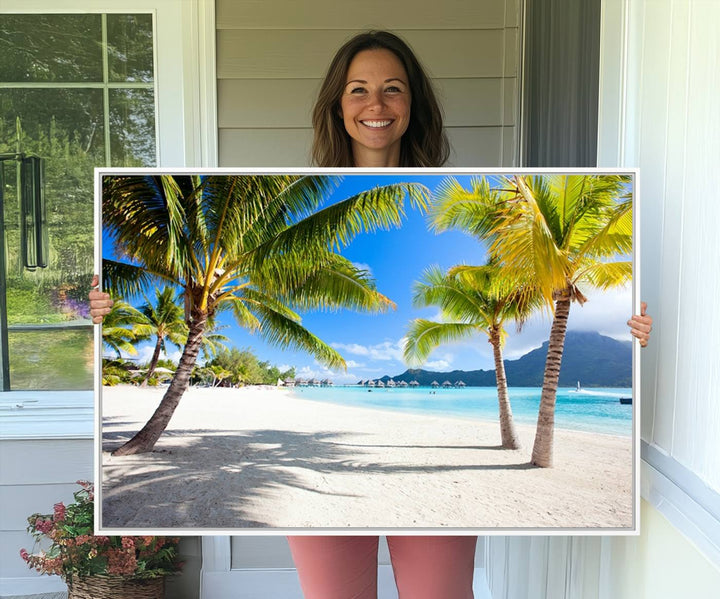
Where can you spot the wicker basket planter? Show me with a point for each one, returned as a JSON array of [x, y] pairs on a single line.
[[116, 587]]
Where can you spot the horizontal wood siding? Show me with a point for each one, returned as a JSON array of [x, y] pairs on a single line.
[[271, 60], [403, 14], [36, 474]]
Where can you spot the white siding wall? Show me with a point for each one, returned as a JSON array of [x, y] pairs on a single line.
[[660, 84], [671, 130], [271, 58], [36, 474]]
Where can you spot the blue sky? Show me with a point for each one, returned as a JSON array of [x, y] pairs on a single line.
[[372, 343]]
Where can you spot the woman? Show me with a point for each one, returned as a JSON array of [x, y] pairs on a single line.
[[377, 108]]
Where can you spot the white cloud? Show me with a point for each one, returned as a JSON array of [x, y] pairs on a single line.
[[363, 266], [437, 365], [352, 348], [387, 350]]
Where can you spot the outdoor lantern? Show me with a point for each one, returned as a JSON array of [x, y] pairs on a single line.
[[33, 218]]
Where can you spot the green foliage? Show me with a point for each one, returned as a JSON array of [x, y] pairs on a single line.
[[243, 367], [117, 372]]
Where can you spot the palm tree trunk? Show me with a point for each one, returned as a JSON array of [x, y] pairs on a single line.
[[146, 438], [153, 362], [542, 454], [508, 434]]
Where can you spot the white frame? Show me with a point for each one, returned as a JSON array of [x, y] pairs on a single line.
[[215, 545]]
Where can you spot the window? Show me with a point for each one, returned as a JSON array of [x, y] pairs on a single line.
[[77, 91]]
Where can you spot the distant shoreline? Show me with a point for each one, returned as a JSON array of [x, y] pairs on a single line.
[[522, 415]]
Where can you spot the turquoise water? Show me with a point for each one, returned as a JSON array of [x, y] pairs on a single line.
[[593, 410]]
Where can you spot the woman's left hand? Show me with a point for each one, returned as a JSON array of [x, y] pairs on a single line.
[[641, 325]]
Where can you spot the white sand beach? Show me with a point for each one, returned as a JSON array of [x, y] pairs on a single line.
[[262, 457]]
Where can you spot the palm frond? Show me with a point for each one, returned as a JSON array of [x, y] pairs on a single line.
[[334, 226], [424, 336], [279, 330], [605, 275]]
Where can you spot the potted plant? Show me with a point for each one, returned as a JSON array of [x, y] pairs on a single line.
[[95, 567]]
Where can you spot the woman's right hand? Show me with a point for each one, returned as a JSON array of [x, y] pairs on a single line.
[[100, 302]]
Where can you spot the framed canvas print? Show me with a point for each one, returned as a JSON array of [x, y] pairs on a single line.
[[354, 351]]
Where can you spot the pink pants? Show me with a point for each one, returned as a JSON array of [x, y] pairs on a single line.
[[339, 567]]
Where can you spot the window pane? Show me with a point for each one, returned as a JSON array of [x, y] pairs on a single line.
[[50, 48], [67, 124], [132, 127], [130, 47], [65, 128], [52, 359]]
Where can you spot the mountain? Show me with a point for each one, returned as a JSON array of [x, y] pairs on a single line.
[[591, 358]]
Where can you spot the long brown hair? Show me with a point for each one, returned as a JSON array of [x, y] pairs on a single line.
[[423, 144]]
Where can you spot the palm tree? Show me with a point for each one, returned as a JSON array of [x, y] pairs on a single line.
[[562, 232], [264, 246], [213, 341], [472, 299], [122, 327], [165, 319]]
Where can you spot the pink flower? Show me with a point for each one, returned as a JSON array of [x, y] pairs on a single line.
[[24, 554], [44, 526], [128, 543], [121, 562], [59, 509], [82, 539]]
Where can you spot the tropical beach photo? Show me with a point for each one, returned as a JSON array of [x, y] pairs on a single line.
[[395, 350]]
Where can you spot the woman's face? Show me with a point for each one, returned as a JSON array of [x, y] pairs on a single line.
[[375, 107]]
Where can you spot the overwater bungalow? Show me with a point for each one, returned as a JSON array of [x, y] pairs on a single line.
[[460, 384], [402, 384], [314, 382], [301, 383], [288, 382], [380, 384], [414, 384], [447, 384], [391, 383], [370, 383], [434, 384]]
